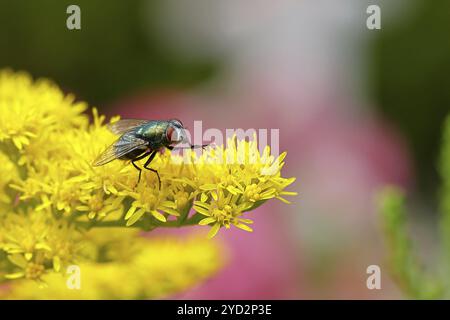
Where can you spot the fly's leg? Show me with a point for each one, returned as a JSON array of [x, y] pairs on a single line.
[[147, 163], [192, 146], [142, 156]]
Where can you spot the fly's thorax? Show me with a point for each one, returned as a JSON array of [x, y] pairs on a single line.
[[155, 134]]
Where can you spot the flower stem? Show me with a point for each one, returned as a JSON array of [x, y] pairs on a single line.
[[140, 224]]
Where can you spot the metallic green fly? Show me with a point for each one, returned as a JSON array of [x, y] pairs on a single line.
[[143, 138]]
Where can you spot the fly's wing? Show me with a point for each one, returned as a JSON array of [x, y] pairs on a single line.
[[119, 148], [125, 125]]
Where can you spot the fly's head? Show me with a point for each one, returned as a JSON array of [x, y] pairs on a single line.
[[176, 133]]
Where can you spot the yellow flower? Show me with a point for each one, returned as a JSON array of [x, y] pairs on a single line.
[[156, 269], [33, 240], [99, 205], [53, 202], [236, 179], [29, 106], [151, 200], [9, 173], [223, 210]]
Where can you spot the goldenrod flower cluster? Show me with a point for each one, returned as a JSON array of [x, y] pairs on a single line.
[[52, 200], [130, 268]]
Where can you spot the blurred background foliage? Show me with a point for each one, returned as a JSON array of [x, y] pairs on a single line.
[[117, 52], [418, 278], [410, 81]]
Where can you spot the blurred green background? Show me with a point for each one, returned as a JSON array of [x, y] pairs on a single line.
[[114, 54], [410, 81]]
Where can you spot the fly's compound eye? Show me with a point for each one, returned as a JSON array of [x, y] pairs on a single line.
[[176, 135]]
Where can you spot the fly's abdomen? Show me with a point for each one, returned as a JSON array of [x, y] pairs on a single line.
[[132, 154], [129, 146]]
